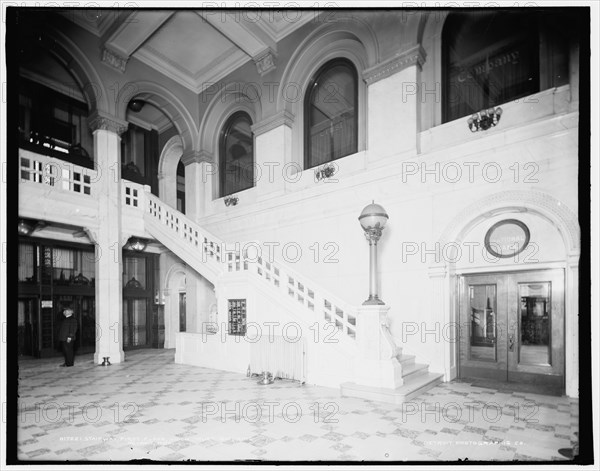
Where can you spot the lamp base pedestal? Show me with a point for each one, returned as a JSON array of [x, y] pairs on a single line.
[[373, 301]]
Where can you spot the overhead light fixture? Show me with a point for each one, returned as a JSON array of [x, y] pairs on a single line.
[[136, 105], [137, 244], [25, 227]]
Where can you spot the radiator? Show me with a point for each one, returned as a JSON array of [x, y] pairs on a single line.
[[279, 356]]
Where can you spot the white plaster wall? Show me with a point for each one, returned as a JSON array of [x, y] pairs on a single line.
[[539, 157]]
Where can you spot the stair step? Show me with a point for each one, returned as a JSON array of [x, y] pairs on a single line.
[[406, 360], [409, 390], [413, 370]]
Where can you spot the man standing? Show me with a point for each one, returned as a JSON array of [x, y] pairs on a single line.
[[66, 336]]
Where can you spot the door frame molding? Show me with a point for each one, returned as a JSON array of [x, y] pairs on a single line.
[[444, 277]]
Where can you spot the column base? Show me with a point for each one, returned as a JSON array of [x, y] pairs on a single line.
[[115, 356]]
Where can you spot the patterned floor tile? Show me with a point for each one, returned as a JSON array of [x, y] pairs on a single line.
[[152, 408]]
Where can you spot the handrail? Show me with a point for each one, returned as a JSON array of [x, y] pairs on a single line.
[[222, 259]]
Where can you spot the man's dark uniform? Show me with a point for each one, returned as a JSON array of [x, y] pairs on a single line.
[[68, 329]]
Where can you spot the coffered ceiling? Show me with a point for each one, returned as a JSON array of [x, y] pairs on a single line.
[[193, 47]]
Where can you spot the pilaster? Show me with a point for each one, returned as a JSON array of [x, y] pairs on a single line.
[[199, 173], [273, 144], [393, 97]]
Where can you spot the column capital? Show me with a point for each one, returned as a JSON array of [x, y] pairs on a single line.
[[278, 119], [265, 61], [107, 122], [196, 156], [414, 56]]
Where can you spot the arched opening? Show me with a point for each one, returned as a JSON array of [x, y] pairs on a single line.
[[348, 39], [331, 113], [149, 129], [516, 316], [236, 154], [181, 187], [53, 110], [226, 137]]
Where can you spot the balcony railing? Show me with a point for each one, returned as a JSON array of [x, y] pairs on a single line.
[[55, 173]]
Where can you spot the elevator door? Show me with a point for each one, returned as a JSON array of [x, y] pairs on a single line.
[[512, 327], [28, 326]]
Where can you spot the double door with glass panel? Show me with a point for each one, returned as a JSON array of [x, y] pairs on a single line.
[[512, 327]]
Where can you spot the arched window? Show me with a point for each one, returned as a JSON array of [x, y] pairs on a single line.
[[493, 57], [181, 187], [236, 155], [331, 113]]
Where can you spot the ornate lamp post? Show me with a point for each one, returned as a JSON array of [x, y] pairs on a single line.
[[373, 219]]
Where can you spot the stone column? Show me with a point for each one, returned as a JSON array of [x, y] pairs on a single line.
[[109, 243], [376, 362], [199, 174], [393, 97]]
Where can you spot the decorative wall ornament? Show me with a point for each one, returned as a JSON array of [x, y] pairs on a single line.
[[231, 200], [114, 60], [265, 61], [485, 119], [324, 172], [415, 55], [507, 238]]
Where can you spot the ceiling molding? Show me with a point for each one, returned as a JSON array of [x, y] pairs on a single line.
[[197, 83], [160, 125], [131, 34], [250, 39], [290, 21], [94, 21]]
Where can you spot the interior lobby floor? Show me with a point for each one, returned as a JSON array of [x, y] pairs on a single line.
[[152, 408]]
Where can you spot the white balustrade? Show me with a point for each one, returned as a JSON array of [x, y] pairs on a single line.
[[313, 300], [132, 194], [55, 173]]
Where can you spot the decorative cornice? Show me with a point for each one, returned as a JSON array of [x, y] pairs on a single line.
[[114, 60], [279, 119], [108, 123], [415, 55], [265, 61], [196, 156]]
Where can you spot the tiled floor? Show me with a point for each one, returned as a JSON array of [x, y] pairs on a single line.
[[150, 407]]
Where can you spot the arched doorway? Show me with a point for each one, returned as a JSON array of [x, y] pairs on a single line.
[[510, 286]]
